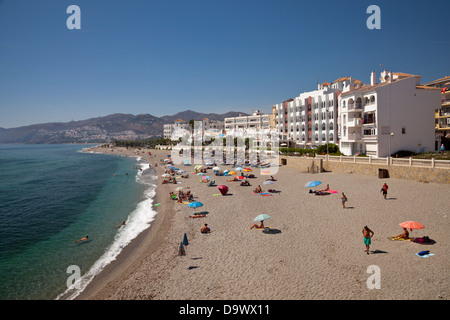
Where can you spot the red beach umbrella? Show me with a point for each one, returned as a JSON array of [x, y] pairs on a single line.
[[223, 189], [411, 225]]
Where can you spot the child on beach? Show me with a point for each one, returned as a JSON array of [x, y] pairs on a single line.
[[343, 200]]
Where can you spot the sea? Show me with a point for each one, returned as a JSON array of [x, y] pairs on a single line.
[[53, 195]]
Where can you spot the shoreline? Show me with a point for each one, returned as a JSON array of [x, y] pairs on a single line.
[[143, 246], [315, 253]]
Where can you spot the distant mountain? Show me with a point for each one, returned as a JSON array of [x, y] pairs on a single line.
[[116, 126], [189, 115]]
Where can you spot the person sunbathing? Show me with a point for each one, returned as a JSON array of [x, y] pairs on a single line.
[[255, 226], [258, 189], [404, 235]]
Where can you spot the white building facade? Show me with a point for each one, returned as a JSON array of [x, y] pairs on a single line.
[[247, 125], [382, 118], [310, 119]]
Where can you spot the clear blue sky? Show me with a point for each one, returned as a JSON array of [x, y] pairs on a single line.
[[165, 56]]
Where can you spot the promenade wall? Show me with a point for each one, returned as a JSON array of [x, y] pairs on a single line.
[[383, 169]]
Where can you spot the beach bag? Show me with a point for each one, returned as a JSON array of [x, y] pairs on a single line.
[[422, 253]]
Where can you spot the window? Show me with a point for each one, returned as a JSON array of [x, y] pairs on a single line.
[[403, 130]]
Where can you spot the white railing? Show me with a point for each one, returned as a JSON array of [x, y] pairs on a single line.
[[425, 163]]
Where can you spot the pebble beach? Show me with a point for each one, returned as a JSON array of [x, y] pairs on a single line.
[[313, 250]]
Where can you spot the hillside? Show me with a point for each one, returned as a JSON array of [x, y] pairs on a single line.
[[116, 126]]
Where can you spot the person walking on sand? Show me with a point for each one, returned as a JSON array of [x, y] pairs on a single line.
[[343, 200], [384, 190], [367, 234]]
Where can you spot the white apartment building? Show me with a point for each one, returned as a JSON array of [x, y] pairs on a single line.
[[247, 125], [382, 118], [309, 120], [177, 129]]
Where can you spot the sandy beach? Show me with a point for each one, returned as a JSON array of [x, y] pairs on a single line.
[[314, 251]]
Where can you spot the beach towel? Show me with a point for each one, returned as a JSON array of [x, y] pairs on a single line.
[[265, 194], [157, 204], [197, 215], [332, 191], [260, 228], [391, 238], [216, 195], [425, 255]]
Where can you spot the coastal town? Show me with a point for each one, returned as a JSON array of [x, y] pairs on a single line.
[[394, 112]]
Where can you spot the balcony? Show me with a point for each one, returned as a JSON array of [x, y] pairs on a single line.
[[370, 137], [352, 137], [354, 122], [357, 106]]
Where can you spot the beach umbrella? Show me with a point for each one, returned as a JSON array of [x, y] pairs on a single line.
[[262, 217], [201, 174], [241, 177], [239, 169], [232, 172], [223, 189], [185, 240], [247, 170], [311, 184], [411, 225], [195, 204], [216, 169], [268, 182], [182, 171], [165, 175], [181, 251], [206, 177]]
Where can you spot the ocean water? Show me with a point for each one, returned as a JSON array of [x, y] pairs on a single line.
[[52, 195]]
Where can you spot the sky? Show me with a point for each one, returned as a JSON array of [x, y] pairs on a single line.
[[165, 56]]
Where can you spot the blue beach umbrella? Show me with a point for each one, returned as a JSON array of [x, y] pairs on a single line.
[[195, 204], [311, 184], [262, 217], [185, 240]]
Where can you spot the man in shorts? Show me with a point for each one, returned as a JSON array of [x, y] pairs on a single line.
[[368, 234]]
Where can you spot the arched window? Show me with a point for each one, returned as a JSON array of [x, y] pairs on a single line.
[[351, 103], [343, 103], [316, 127], [359, 103], [330, 126], [324, 137], [323, 125], [330, 137], [372, 99], [317, 137]]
